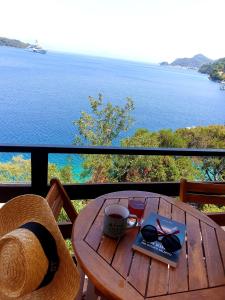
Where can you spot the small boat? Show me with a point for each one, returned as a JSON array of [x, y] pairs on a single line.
[[39, 50], [36, 48]]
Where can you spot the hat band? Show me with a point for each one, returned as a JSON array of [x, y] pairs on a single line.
[[49, 247]]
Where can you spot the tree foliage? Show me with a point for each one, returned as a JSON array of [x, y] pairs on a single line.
[[100, 128], [152, 168], [104, 123], [18, 169], [216, 70], [212, 168]]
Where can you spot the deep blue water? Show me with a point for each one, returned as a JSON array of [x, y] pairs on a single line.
[[40, 95]]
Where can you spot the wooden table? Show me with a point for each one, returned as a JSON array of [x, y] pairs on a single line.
[[120, 273]]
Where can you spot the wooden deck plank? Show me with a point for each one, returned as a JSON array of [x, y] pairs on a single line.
[[94, 236], [86, 217], [158, 277], [138, 275], [152, 205], [190, 209], [178, 277], [212, 254], [108, 246], [196, 261], [124, 202], [121, 263], [221, 241], [139, 270], [104, 276]]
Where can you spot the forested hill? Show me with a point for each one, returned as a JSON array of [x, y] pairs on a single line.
[[12, 43], [216, 70], [194, 62]]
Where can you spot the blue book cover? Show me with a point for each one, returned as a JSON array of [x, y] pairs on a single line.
[[155, 249]]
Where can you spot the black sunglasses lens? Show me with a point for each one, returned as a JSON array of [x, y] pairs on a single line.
[[149, 233], [171, 243]]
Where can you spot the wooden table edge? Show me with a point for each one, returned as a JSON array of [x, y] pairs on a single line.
[[124, 290], [214, 293], [80, 245]]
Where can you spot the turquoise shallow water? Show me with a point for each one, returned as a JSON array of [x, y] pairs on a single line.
[[40, 95]]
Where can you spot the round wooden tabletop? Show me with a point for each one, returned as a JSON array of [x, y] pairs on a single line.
[[118, 272]]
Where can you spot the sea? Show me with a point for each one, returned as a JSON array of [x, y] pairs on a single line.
[[42, 94]]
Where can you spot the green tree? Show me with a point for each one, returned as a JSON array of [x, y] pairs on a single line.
[[213, 136], [152, 168], [104, 123], [216, 70], [18, 169], [100, 128], [169, 139]]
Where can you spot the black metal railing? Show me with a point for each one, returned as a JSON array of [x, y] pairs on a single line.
[[39, 170]]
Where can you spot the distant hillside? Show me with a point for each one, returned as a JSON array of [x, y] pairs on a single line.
[[216, 70], [12, 43], [194, 62], [164, 63]]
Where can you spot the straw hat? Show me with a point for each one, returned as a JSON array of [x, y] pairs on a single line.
[[34, 261]]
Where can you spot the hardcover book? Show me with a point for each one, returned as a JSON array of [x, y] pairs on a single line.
[[155, 249]]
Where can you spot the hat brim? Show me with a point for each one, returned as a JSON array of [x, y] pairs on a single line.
[[27, 208]]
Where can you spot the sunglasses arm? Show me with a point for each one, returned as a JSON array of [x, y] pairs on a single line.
[[163, 232]]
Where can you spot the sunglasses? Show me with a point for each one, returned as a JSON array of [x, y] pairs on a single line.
[[169, 240]]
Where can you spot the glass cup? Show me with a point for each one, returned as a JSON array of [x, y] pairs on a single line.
[[137, 208]]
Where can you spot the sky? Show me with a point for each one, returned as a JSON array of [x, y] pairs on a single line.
[[141, 30]]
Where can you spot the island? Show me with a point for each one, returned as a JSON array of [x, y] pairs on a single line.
[[164, 63], [13, 43], [215, 70], [194, 62]]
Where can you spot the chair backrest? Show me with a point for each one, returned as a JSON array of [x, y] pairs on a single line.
[[57, 199], [202, 193]]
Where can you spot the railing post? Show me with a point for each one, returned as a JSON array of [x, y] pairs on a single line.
[[39, 171]]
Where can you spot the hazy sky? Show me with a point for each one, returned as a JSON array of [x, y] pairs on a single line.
[[145, 30]]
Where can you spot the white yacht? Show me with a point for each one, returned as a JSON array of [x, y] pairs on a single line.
[[36, 48]]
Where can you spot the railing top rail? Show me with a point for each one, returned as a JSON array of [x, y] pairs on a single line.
[[111, 150]]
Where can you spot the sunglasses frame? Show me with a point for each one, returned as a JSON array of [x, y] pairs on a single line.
[[166, 240]]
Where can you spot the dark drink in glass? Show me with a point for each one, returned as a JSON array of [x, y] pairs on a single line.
[[136, 207]]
